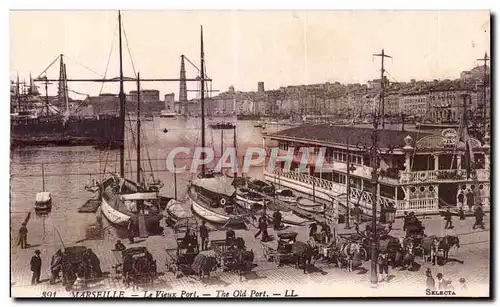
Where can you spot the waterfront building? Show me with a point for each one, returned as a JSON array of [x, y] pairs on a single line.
[[420, 172]]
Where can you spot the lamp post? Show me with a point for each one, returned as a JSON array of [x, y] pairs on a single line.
[[350, 168]]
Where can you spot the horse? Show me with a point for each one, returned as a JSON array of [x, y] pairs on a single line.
[[350, 254], [203, 264], [446, 243], [244, 262], [409, 256], [304, 253]]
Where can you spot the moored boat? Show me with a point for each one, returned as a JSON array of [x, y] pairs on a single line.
[[175, 211], [309, 205], [286, 195], [43, 200], [288, 218], [123, 199], [214, 201], [249, 200]]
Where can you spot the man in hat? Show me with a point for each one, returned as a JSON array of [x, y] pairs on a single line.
[[130, 231], [23, 236], [204, 236], [262, 228], [36, 267], [277, 220], [463, 285], [478, 214], [55, 266], [230, 237]]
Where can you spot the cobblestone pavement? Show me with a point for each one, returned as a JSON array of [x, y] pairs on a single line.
[[471, 261]]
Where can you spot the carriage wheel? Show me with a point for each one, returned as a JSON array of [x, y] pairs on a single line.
[[364, 254]]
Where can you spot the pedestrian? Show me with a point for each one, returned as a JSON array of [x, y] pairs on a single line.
[[441, 283], [463, 285], [326, 232], [277, 220], [23, 236], [36, 267], [313, 228], [55, 266], [262, 228], [461, 212], [405, 220], [430, 282], [357, 213], [130, 231], [230, 237], [383, 265], [447, 218], [204, 236], [478, 214], [119, 246]]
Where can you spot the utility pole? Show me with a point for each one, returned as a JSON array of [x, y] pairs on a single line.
[[485, 75], [382, 84]]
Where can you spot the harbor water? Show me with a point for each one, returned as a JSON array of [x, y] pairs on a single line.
[[67, 171]]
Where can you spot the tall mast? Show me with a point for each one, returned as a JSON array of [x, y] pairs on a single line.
[[202, 56], [65, 80], [138, 129], [43, 179], [382, 84], [235, 151], [122, 101], [18, 94], [485, 59], [47, 96]]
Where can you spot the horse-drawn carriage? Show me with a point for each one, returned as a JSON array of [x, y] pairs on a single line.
[[78, 263], [280, 251], [136, 265], [180, 258], [233, 256]]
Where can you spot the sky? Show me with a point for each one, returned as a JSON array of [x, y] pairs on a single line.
[[242, 48]]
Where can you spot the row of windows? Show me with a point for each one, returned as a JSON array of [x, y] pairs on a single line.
[[330, 155]]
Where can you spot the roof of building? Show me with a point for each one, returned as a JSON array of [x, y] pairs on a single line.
[[338, 134]]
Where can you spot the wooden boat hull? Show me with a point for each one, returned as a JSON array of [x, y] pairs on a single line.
[[44, 206], [212, 216], [313, 209], [114, 210], [174, 211], [289, 218], [249, 204]]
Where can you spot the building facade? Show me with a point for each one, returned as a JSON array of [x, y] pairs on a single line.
[[422, 173]]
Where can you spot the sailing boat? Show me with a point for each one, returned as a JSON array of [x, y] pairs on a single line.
[[212, 198], [123, 200], [43, 200]]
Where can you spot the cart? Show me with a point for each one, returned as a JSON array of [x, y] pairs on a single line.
[[180, 258], [227, 256], [136, 265], [280, 251]]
